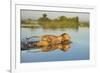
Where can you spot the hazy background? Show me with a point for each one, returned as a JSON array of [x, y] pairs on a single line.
[[34, 15]]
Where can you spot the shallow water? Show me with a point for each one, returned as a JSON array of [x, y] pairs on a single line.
[[79, 48]]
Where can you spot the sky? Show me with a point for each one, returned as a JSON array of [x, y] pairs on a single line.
[[34, 15]]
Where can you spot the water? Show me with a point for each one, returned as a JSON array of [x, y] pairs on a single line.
[[79, 48]]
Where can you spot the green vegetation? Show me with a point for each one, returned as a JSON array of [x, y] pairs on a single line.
[[28, 21], [84, 24], [60, 22]]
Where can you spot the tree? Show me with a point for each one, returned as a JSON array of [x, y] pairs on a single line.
[[44, 15], [29, 21], [77, 19], [62, 18], [44, 18]]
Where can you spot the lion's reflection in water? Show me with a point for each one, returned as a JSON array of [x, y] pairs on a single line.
[[50, 48], [62, 47]]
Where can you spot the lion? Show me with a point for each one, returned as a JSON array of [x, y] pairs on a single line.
[[53, 40]]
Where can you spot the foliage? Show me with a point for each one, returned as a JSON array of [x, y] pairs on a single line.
[[60, 22]]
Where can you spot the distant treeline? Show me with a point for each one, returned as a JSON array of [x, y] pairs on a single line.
[[60, 22]]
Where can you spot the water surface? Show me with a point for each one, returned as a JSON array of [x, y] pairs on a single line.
[[79, 48]]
